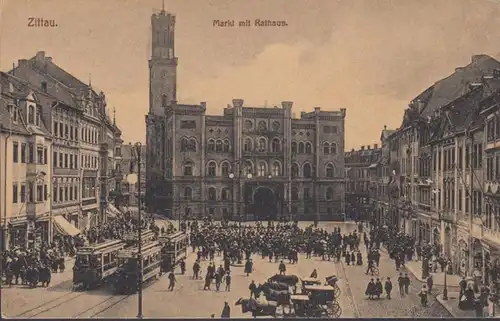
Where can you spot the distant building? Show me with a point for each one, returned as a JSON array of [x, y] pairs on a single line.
[[128, 194], [248, 163], [359, 165]]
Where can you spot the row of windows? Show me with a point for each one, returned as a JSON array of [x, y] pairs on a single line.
[[90, 135], [22, 193], [225, 194], [88, 187], [493, 168], [65, 160], [449, 160], [89, 161], [62, 130], [28, 153], [493, 129], [261, 145], [218, 145], [65, 193], [262, 125]]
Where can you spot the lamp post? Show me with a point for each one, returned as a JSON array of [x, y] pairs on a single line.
[[133, 178]]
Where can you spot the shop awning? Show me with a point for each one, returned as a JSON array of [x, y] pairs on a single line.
[[64, 227]]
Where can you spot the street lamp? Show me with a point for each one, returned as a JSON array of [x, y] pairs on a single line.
[[445, 290], [133, 178]]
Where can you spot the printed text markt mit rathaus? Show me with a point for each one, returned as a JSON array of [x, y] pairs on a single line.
[[248, 23]]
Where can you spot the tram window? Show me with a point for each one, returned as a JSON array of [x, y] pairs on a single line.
[[106, 259], [95, 261], [82, 260]]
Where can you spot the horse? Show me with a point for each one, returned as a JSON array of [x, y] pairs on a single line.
[[278, 286], [257, 309], [281, 297], [291, 280]]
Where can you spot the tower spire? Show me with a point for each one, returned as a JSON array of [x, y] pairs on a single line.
[[114, 115], [90, 80], [163, 6]]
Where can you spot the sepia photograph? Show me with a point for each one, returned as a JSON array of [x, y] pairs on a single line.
[[250, 158]]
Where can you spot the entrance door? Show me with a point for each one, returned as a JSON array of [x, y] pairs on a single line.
[[265, 204]]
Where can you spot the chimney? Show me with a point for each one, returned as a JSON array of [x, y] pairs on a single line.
[[352, 150], [368, 147], [317, 109], [203, 104], [302, 114], [23, 63], [287, 104], [375, 146], [343, 111], [40, 56], [49, 59], [363, 147], [237, 102]]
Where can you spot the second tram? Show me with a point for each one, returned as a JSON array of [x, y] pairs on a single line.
[[174, 249], [127, 276]]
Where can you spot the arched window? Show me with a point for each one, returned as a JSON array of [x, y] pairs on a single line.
[[226, 146], [188, 169], [211, 145], [330, 170], [301, 148], [295, 194], [224, 169], [218, 146], [262, 125], [184, 144], [294, 148], [329, 194], [248, 169], [326, 148], [212, 194], [225, 194], [295, 170], [212, 169], [333, 148], [192, 145], [163, 100], [261, 146], [248, 124], [188, 193], [308, 148], [276, 169], [262, 169], [307, 170], [276, 145], [247, 147]]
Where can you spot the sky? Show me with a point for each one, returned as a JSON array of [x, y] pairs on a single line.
[[371, 57]]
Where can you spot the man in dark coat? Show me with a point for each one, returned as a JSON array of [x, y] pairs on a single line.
[[282, 268], [248, 267], [226, 311], [252, 287], [388, 287]]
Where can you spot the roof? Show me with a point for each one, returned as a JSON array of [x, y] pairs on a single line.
[[5, 120], [455, 85], [386, 133]]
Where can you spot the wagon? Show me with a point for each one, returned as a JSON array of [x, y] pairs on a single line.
[[300, 304], [322, 301], [332, 281], [310, 281]]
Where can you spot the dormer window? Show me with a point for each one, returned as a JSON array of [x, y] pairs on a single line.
[[38, 118]]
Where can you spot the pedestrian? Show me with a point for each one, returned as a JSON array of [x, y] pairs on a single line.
[[172, 280], [196, 270], [248, 267], [252, 287], [226, 311], [218, 279], [228, 281], [406, 283], [282, 268], [430, 283], [401, 284], [388, 288], [182, 264]]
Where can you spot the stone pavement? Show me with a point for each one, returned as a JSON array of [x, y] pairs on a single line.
[[452, 281], [399, 306], [187, 300]]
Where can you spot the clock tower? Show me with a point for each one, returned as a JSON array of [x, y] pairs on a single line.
[[163, 63], [162, 93]]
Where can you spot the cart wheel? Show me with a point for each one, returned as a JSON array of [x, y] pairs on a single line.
[[337, 291], [334, 309]]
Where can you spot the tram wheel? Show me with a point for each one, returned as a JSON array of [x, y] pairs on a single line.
[[334, 309]]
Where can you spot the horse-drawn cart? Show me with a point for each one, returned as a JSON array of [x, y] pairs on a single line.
[[322, 301], [332, 281]]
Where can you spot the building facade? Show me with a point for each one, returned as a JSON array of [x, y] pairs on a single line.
[[250, 162], [361, 166], [82, 144], [442, 167], [26, 145]]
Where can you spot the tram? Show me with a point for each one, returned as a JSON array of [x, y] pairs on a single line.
[[95, 264], [127, 274], [174, 249]]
